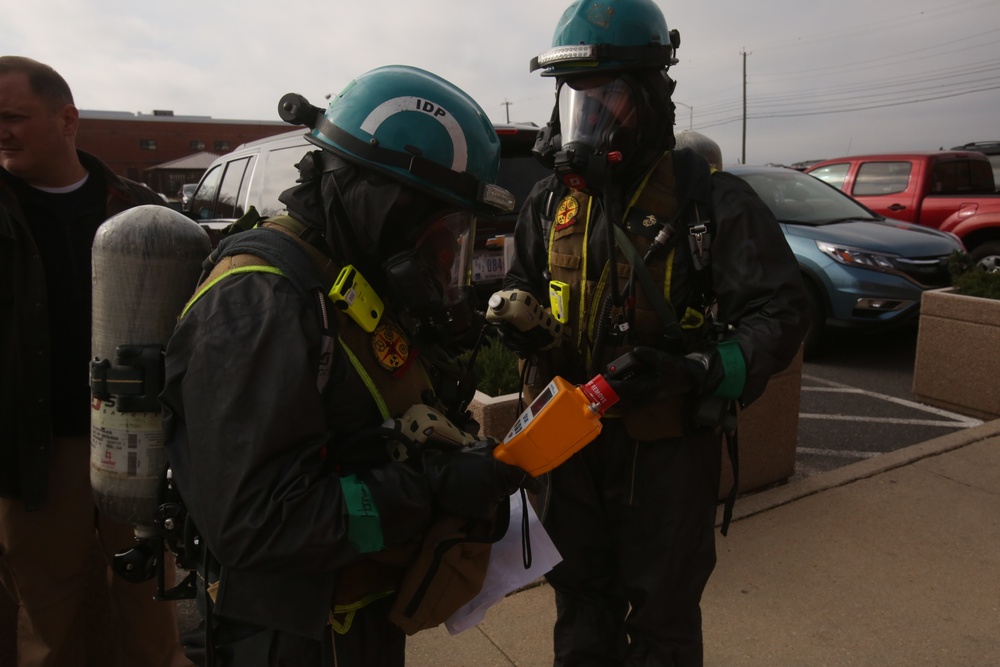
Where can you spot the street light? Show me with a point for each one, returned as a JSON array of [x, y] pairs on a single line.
[[690, 115]]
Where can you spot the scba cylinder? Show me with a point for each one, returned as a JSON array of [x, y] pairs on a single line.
[[146, 264]]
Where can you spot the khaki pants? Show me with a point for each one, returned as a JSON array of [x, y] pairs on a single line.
[[45, 565]]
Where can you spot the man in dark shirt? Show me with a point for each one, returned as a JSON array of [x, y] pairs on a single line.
[[52, 200]]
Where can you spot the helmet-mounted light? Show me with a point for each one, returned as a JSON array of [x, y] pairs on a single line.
[[497, 197], [653, 54], [566, 54]]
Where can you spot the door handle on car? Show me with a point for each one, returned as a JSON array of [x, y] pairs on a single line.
[[896, 207]]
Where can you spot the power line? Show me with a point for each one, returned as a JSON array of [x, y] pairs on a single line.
[[913, 87], [825, 111]]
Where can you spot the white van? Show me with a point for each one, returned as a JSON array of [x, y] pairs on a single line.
[[253, 174]]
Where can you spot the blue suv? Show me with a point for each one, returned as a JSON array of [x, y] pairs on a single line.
[[862, 271]]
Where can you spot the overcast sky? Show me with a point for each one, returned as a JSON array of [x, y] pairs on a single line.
[[822, 79]]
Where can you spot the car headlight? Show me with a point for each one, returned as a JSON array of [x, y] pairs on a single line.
[[858, 256]]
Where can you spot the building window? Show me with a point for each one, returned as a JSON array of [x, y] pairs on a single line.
[[222, 146], [197, 145], [147, 144]]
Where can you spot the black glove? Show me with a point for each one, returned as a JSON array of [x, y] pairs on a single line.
[[524, 343], [470, 482], [403, 499], [646, 373]]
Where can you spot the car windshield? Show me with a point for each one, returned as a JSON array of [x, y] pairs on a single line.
[[802, 199]]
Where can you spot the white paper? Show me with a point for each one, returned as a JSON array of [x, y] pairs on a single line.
[[506, 571]]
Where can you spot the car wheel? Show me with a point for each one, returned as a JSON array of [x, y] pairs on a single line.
[[987, 256], [816, 338]]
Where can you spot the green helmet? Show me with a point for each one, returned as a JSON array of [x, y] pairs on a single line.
[[609, 36], [415, 127]]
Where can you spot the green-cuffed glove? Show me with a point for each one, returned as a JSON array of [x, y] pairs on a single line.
[[386, 506], [646, 373]]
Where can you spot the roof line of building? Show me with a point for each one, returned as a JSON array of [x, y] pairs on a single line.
[[168, 117]]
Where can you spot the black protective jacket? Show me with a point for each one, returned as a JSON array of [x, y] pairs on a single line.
[[25, 409], [754, 274], [255, 447]]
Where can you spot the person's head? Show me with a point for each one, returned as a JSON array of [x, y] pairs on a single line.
[[613, 115], [38, 123], [407, 161], [703, 146]]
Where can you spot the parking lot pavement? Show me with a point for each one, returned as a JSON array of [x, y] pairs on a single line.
[[840, 423]]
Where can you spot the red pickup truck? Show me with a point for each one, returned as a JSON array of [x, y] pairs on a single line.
[[952, 191]]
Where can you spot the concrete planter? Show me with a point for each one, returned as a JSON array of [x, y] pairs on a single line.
[[768, 433], [957, 366]]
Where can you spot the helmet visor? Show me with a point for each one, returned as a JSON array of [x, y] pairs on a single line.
[[593, 108], [445, 251]]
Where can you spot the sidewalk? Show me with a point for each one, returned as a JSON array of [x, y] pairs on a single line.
[[891, 561]]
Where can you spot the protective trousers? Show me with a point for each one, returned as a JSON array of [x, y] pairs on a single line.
[[634, 522], [371, 640], [47, 566]]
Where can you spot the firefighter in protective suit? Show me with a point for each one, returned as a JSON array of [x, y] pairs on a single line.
[[652, 258], [312, 333]]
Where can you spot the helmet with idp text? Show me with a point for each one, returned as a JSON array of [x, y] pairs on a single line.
[[416, 127]]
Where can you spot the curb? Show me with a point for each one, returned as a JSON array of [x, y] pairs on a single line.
[[756, 503]]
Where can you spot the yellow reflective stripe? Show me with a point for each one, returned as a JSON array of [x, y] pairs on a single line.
[[552, 238], [382, 408], [349, 610], [261, 268], [583, 276], [668, 274], [595, 309], [642, 185]]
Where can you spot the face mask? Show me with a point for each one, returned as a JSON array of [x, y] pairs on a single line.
[[598, 119], [430, 282]]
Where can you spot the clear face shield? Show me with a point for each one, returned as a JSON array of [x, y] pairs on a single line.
[[431, 282], [594, 110]]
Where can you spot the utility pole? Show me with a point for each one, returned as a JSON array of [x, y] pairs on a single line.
[[507, 104], [744, 52]]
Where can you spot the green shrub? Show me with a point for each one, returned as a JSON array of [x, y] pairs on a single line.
[[970, 280], [496, 369]]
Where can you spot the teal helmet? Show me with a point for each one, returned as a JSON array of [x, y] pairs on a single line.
[[415, 127], [609, 36]]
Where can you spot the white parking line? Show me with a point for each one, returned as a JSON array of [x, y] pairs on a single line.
[[887, 420], [837, 453], [954, 420]]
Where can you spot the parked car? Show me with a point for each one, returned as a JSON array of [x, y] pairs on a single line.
[[184, 195], [862, 271], [953, 191], [253, 174], [257, 172]]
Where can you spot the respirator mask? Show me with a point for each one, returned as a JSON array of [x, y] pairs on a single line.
[[598, 121], [430, 282]]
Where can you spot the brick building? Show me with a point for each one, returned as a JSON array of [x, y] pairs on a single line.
[[155, 148]]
